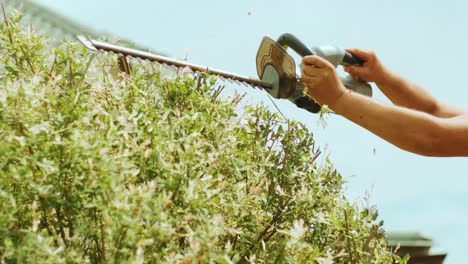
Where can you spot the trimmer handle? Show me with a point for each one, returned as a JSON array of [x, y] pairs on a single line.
[[349, 59], [288, 40]]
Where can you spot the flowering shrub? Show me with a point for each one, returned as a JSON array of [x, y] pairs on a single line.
[[96, 167]]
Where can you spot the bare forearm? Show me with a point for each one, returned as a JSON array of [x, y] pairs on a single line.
[[406, 94], [407, 129], [419, 131]]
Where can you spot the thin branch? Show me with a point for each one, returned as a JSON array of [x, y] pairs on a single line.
[[60, 223], [7, 22]]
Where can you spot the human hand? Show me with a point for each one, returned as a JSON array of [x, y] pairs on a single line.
[[321, 81], [371, 71]]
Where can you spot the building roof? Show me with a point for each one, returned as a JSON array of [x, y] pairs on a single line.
[[58, 26]]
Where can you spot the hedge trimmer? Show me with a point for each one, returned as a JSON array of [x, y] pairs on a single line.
[[276, 68]]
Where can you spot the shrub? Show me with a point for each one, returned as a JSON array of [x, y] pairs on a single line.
[[148, 169]]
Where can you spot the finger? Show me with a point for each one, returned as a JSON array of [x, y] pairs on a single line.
[[355, 70], [361, 54], [311, 71], [315, 61], [355, 77], [349, 69], [309, 79]]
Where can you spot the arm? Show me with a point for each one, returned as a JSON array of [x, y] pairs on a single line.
[[407, 129], [411, 130], [399, 90]]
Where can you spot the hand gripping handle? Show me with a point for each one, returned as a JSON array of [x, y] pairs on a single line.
[[288, 40]]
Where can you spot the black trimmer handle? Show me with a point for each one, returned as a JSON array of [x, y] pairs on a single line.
[[349, 59], [288, 40]]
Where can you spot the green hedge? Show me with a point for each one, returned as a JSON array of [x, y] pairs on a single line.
[[99, 168]]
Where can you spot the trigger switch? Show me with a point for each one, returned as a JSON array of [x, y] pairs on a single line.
[[308, 104]]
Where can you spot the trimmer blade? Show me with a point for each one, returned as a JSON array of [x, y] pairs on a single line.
[[96, 45]]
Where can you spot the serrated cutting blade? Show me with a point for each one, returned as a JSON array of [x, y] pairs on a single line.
[[96, 45]]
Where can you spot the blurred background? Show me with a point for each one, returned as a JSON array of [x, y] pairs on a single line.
[[425, 41]]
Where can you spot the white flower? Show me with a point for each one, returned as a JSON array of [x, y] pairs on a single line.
[[298, 230]]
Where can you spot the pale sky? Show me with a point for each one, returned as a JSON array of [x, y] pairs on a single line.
[[425, 41]]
